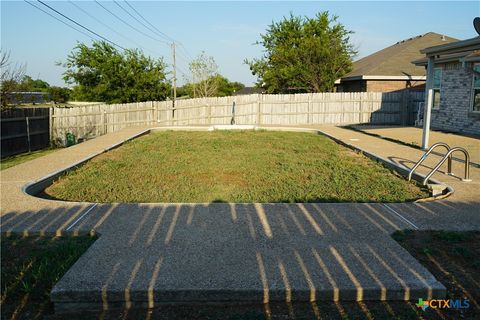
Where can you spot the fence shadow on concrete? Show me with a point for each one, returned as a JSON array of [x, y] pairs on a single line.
[[278, 258]]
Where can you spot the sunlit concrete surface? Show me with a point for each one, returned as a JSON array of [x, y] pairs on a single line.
[[149, 254], [413, 135]]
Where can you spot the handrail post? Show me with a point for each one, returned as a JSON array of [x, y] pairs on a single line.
[[449, 157], [425, 155], [449, 168], [467, 166]]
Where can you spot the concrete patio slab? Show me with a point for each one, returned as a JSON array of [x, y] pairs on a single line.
[[150, 254], [413, 135]]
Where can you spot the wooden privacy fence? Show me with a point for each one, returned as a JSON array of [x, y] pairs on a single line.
[[295, 109], [23, 130]]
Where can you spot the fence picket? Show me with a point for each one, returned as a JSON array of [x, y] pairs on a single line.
[[266, 109]]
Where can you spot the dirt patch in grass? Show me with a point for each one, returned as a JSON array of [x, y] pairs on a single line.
[[247, 166], [30, 267]]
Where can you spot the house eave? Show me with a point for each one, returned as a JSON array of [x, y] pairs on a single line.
[[452, 57], [465, 45], [379, 77]]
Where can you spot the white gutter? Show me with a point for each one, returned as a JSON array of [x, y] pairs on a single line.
[[364, 77]]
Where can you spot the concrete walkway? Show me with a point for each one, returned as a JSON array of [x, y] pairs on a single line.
[[413, 135], [257, 253]]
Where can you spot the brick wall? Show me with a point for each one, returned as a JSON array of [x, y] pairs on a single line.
[[393, 85], [455, 112], [380, 85], [352, 86]]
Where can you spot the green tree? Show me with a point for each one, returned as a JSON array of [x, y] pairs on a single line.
[[30, 85], [10, 76], [102, 73], [204, 76], [227, 88], [303, 54], [59, 94], [223, 87]]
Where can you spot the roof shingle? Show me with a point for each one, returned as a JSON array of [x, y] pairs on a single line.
[[396, 60]]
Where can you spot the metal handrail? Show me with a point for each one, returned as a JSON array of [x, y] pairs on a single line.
[[449, 156], [425, 155]]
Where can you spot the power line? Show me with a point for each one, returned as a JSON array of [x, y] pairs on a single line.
[[78, 24], [183, 57], [182, 71], [110, 28], [140, 31], [51, 15], [186, 56], [148, 22], [136, 19], [186, 51]]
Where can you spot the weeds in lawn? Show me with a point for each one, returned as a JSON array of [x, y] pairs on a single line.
[[8, 162], [29, 269], [226, 166]]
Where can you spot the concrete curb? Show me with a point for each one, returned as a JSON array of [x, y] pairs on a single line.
[[35, 187], [403, 171]]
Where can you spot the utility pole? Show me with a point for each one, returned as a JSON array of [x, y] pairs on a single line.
[[174, 79]]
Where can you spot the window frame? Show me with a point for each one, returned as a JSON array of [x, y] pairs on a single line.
[[472, 104], [437, 89]]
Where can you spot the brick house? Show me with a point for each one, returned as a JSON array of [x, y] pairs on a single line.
[[453, 86], [390, 69]]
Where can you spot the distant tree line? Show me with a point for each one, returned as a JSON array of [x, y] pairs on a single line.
[[300, 54], [13, 79], [103, 73]]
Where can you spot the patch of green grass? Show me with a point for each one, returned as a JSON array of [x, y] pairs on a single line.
[[226, 166], [451, 236], [453, 257], [24, 157], [30, 267]]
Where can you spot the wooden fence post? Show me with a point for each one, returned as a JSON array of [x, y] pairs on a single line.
[[153, 112], [309, 107], [404, 112], [28, 134], [104, 121], [360, 108], [209, 113], [259, 109], [50, 125]]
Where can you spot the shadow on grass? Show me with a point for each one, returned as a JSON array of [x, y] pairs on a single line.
[[451, 256], [30, 266]]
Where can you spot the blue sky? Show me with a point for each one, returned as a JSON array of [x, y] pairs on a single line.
[[225, 30]]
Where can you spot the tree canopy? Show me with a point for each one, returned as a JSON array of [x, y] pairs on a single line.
[[204, 73], [206, 81], [303, 54], [10, 75], [223, 87], [29, 84], [102, 73]]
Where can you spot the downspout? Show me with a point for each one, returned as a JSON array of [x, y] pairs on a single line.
[[428, 103]]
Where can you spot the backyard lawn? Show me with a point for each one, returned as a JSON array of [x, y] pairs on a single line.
[[31, 267], [227, 166], [24, 157]]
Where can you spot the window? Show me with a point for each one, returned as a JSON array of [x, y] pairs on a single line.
[[476, 88], [437, 81]]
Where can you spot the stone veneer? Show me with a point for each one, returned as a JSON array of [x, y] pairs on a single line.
[[455, 113]]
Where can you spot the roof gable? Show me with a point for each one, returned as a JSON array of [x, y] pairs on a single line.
[[396, 60]]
